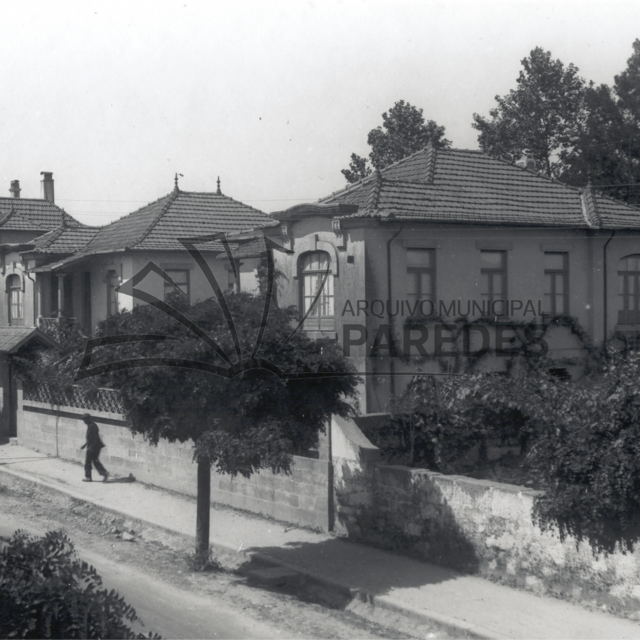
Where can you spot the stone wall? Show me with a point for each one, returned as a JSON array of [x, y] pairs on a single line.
[[300, 498], [476, 526]]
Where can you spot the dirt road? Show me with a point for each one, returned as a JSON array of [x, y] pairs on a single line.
[[171, 599]]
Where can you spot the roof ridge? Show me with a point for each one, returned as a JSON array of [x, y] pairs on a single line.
[[172, 197], [222, 195], [374, 195], [41, 200], [353, 185], [432, 153]]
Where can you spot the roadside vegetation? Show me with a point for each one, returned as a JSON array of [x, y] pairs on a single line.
[[46, 591], [577, 440]]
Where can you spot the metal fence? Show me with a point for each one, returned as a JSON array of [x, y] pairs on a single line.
[[96, 400]]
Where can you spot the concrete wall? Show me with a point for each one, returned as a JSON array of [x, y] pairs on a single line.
[[301, 498], [475, 526]]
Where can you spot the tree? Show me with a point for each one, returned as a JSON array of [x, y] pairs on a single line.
[[403, 132], [175, 386], [539, 118]]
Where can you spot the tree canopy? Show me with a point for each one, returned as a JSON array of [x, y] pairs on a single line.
[[575, 131], [252, 421], [403, 132], [540, 117]]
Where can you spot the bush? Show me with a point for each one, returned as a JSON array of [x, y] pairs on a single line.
[[590, 462], [47, 592], [579, 440], [438, 420]]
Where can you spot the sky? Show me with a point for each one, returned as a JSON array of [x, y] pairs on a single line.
[[115, 98]]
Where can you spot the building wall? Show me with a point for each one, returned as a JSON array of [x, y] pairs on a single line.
[[475, 526], [301, 498], [371, 291], [125, 266]]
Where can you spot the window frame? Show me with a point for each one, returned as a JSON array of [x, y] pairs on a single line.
[[329, 320], [11, 290], [490, 272], [564, 274], [627, 315], [169, 288], [113, 303], [419, 269]]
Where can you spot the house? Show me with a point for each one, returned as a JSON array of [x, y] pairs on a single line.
[[78, 270], [449, 258], [21, 221]]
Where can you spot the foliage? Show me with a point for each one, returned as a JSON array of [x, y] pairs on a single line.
[[607, 148], [242, 424], [577, 132], [36, 365], [540, 117], [403, 132], [438, 420], [590, 462], [580, 439], [47, 592]]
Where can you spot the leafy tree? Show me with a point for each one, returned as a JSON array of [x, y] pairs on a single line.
[[239, 424], [403, 132], [540, 117], [47, 592]]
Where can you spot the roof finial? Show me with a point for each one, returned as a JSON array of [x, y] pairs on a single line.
[[175, 180], [218, 192]]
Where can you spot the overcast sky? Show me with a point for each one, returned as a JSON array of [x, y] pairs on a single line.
[[116, 97]]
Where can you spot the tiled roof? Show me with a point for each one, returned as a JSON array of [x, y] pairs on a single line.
[[41, 214], [12, 338], [451, 185], [65, 240], [253, 249], [176, 215], [14, 221]]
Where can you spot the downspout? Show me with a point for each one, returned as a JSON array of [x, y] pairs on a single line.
[[392, 382], [35, 297], [604, 272]]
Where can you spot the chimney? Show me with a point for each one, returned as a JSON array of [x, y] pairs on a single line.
[[15, 189], [47, 186], [526, 162]]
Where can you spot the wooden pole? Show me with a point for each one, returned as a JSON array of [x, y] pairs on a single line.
[[203, 509]]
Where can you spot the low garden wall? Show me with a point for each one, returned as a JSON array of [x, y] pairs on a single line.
[[301, 497], [476, 526]]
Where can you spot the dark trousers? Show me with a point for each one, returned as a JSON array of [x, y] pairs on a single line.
[[92, 457]]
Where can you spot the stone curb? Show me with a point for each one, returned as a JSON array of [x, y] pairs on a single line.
[[422, 616]]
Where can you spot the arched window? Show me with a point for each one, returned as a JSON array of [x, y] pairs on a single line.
[[15, 299], [313, 269], [629, 290]]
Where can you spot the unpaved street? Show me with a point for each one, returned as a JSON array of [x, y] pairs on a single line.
[[171, 599]]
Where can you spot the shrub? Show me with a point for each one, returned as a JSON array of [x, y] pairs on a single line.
[[590, 461], [47, 592]]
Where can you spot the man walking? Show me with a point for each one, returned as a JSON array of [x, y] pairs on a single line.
[[93, 446]]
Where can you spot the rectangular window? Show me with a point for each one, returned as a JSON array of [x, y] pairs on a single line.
[[313, 269], [112, 295], [421, 280], [181, 278], [493, 280], [629, 290], [556, 283]]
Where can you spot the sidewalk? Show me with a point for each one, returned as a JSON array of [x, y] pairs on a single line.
[[467, 605]]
